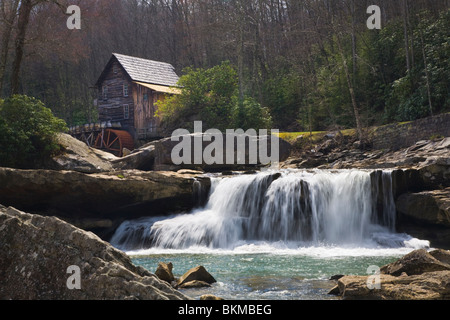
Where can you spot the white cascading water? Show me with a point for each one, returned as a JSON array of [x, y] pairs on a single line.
[[338, 208]]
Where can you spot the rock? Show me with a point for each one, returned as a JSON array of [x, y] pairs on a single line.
[[334, 291], [45, 258], [126, 152], [429, 286], [357, 144], [326, 146], [441, 255], [198, 273], [77, 156], [156, 155], [112, 195], [419, 275], [432, 207], [210, 297], [336, 277], [435, 173], [142, 158], [164, 147], [299, 139], [186, 171], [414, 263], [194, 284], [164, 272]]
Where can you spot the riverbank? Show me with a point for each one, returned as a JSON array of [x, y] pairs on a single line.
[[97, 192], [101, 201], [45, 258]]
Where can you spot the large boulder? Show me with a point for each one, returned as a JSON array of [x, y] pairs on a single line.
[[418, 262], [429, 286], [77, 156], [432, 207], [435, 172], [112, 196], [142, 158], [426, 215], [157, 155], [45, 258], [419, 275]]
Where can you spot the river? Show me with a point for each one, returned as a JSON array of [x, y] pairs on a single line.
[[277, 234]]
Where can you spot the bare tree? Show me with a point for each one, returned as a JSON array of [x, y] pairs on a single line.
[[8, 17]]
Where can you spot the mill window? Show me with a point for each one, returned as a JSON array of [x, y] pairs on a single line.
[[126, 111]]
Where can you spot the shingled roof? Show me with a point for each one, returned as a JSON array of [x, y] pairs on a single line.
[[147, 71]]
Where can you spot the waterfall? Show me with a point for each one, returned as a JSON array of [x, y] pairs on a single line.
[[318, 206]]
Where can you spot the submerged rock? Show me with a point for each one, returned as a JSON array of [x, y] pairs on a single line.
[[45, 258], [210, 297], [194, 284]]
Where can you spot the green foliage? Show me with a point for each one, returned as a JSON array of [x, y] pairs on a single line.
[[282, 95], [249, 114], [385, 91], [27, 132], [211, 95], [407, 97]]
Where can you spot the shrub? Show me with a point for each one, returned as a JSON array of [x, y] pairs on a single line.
[[27, 132], [212, 96]]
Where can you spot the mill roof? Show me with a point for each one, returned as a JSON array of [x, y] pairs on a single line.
[[145, 70]]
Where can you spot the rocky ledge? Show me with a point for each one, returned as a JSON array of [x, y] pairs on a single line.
[[420, 179], [53, 260], [98, 202], [419, 275]]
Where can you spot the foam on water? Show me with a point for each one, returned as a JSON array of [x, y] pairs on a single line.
[[325, 213]]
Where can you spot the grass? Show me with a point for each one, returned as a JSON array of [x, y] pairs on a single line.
[[315, 135], [291, 136]]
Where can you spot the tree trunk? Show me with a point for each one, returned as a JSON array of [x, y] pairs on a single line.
[[406, 35], [351, 90], [24, 16], [241, 51], [6, 36], [354, 55], [427, 75]]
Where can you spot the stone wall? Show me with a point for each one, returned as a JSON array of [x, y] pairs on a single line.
[[401, 135]]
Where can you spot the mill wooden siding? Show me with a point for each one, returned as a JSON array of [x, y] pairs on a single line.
[[112, 108], [145, 121], [147, 81]]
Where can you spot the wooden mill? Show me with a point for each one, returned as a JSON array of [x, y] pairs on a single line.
[[127, 92]]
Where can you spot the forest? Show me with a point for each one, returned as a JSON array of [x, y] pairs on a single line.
[[306, 64]]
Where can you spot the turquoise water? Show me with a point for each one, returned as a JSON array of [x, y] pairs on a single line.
[[277, 235], [286, 274]]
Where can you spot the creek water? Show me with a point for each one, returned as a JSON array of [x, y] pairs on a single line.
[[277, 234]]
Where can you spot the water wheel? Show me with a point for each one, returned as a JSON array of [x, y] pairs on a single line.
[[114, 141]]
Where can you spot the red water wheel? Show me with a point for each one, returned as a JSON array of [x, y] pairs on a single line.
[[114, 141]]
